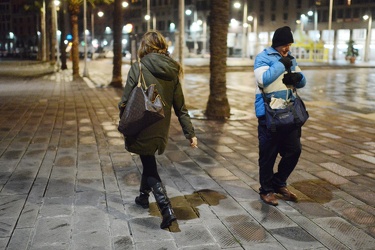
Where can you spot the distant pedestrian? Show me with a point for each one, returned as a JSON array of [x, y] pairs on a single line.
[[270, 66], [160, 69]]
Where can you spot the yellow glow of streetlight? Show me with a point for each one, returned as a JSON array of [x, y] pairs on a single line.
[[188, 12], [366, 17], [147, 17], [56, 2], [250, 18], [125, 4], [100, 14]]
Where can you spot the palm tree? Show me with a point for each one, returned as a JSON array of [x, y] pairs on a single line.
[[39, 7], [61, 18], [218, 105], [74, 9], [117, 45]]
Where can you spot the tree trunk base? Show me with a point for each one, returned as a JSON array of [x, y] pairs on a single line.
[[218, 109], [116, 84]]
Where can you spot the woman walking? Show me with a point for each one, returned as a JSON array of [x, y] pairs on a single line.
[[160, 69]]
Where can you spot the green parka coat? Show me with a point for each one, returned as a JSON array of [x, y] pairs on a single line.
[[163, 71]]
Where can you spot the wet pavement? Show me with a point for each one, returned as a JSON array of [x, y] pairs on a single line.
[[66, 181]]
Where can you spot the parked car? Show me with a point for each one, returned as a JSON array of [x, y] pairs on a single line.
[[82, 52]]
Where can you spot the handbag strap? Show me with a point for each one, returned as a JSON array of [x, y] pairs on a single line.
[[141, 77]]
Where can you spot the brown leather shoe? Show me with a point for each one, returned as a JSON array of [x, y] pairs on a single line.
[[287, 195], [269, 198]]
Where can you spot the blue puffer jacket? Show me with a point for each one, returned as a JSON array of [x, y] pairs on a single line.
[[269, 73]]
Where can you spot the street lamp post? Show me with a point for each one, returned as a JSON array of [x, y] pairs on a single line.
[[245, 25], [43, 31], [253, 18], [330, 29], [204, 42], [85, 70], [244, 29], [57, 4], [368, 37], [316, 37], [92, 33], [147, 17], [303, 19], [194, 27], [181, 34]]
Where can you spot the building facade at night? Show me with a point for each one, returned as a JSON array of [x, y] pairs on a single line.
[[18, 27], [315, 23]]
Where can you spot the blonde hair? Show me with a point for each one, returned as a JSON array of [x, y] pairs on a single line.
[[154, 42]]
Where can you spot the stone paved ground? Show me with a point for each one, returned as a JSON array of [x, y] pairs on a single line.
[[66, 181]]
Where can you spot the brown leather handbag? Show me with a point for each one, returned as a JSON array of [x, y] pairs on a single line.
[[144, 108]]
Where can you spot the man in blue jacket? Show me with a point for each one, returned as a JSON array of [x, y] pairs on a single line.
[[277, 73]]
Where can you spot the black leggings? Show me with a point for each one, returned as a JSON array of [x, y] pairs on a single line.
[[149, 170]]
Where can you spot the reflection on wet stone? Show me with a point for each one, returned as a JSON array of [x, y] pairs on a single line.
[[205, 160], [40, 140], [186, 213], [68, 143], [293, 233], [359, 216], [246, 229], [12, 155], [211, 197], [182, 201], [123, 242], [131, 179], [186, 207], [314, 210], [194, 199], [65, 161], [87, 140], [315, 190], [116, 142], [35, 152]]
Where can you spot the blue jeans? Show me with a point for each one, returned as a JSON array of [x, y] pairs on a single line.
[[285, 143]]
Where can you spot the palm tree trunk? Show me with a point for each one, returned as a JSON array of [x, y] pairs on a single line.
[[62, 19], [53, 32], [74, 51], [117, 45], [43, 37], [218, 105]]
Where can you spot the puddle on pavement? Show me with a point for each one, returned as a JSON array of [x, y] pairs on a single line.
[[186, 207], [317, 190]]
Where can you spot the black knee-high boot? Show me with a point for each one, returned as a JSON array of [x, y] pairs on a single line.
[[144, 190], [164, 205]]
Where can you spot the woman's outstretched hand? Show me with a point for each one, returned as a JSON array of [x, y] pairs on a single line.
[[194, 142]]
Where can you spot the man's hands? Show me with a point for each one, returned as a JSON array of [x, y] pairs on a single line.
[[194, 142], [292, 79], [287, 62]]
